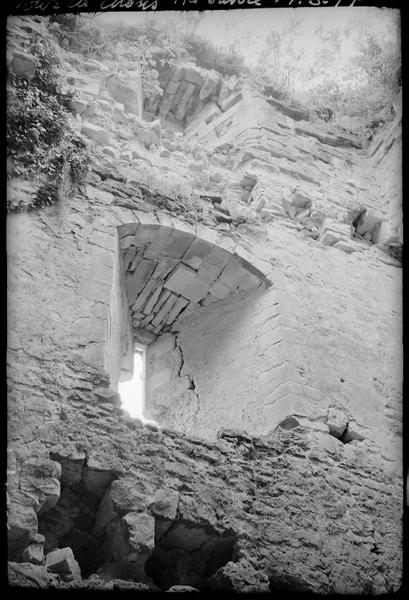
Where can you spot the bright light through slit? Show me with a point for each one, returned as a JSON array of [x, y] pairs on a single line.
[[132, 392]]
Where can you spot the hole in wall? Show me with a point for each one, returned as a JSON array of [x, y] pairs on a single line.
[[71, 523], [132, 392], [187, 554], [284, 583], [347, 435]]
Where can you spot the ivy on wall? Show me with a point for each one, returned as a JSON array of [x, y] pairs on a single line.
[[41, 139]]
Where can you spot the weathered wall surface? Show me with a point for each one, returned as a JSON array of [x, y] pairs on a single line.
[[300, 341], [264, 490], [255, 360], [119, 346], [277, 464], [386, 158]]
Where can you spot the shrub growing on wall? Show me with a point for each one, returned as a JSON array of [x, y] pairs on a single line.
[[40, 137], [227, 62]]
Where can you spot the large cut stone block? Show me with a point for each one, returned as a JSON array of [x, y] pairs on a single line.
[[369, 222], [329, 238], [197, 251], [179, 305], [62, 562], [23, 65], [143, 296], [160, 318], [232, 274], [230, 101], [164, 504], [178, 244], [182, 277], [128, 95], [333, 232], [96, 133], [182, 105], [211, 85], [193, 73], [209, 272], [249, 281], [163, 296], [347, 247], [158, 242], [78, 105], [141, 528], [172, 87], [196, 290], [137, 282], [337, 421], [252, 263], [219, 290], [147, 309]]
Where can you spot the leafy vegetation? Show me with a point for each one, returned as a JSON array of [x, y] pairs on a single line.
[[40, 138], [129, 48], [351, 68], [227, 61]]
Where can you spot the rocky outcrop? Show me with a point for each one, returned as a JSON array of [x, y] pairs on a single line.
[[124, 93]]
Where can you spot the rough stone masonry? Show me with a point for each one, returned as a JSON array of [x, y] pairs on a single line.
[[270, 309]]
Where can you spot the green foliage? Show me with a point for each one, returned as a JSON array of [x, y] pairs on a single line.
[[131, 47], [67, 166], [40, 138], [350, 68], [226, 61], [278, 66]]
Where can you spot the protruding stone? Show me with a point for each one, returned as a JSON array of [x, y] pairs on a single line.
[[108, 395], [27, 575], [23, 65], [62, 562], [96, 133], [123, 93], [248, 180], [211, 85], [347, 247], [337, 421], [34, 553], [333, 232], [164, 504], [78, 105]]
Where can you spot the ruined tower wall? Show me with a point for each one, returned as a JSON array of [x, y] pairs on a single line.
[[279, 405]]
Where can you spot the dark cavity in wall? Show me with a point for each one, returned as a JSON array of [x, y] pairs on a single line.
[[284, 583], [347, 435], [187, 554], [71, 523]]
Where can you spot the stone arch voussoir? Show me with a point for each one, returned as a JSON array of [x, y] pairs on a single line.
[[170, 266]]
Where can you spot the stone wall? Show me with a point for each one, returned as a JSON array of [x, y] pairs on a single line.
[[262, 492], [276, 464], [191, 90], [386, 157], [252, 365]]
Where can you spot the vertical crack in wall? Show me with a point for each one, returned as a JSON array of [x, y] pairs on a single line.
[[192, 385]]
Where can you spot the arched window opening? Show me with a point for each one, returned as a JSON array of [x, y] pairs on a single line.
[[132, 392]]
